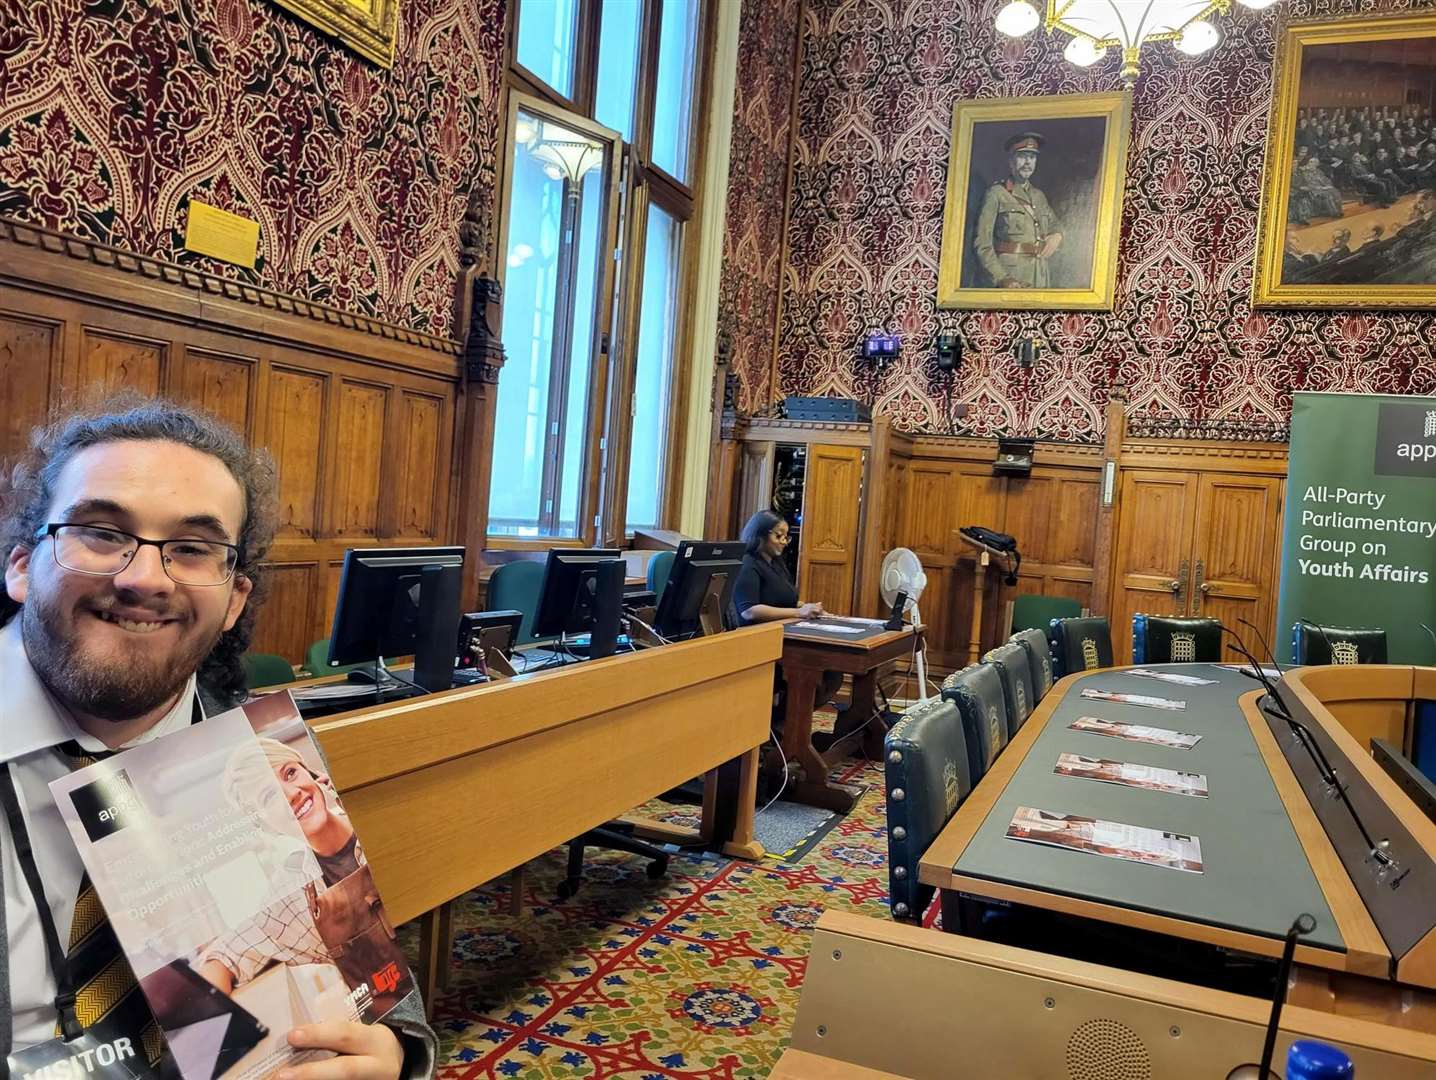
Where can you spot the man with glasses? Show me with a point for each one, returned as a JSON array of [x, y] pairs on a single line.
[[132, 540]]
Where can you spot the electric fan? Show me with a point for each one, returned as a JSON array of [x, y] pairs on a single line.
[[902, 573]]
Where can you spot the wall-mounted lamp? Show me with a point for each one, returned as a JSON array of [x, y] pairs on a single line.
[[881, 349], [1029, 351], [949, 352]]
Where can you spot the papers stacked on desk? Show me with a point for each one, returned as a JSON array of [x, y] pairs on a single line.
[[1111, 839]]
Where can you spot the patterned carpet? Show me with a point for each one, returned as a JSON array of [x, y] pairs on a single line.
[[694, 975]]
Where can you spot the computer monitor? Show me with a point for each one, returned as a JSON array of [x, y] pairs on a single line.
[[569, 600], [700, 588], [394, 601]]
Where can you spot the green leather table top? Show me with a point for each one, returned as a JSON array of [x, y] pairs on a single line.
[[1256, 878]]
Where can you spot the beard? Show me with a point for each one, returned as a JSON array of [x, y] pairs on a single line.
[[109, 687]]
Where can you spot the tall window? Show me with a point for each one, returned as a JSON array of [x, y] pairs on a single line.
[[603, 157]]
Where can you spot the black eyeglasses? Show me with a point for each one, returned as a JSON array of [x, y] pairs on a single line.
[[105, 552]]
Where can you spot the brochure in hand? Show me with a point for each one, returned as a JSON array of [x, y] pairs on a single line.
[[237, 888], [1098, 725], [1129, 774], [1133, 699], [1132, 843]]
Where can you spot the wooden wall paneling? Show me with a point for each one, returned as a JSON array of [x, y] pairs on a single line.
[[1238, 523], [31, 352], [223, 384], [295, 420], [755, 480], [110, 360], [285, 622], [360, 430], [1154, 529], [928, 516], [828, 555], [416, 466]]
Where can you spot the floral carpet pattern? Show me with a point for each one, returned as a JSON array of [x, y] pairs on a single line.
[[694, 975]]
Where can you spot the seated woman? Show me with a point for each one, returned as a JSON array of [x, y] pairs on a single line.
[[764, 590]]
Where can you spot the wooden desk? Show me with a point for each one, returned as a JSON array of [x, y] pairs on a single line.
[[885, 999], [450, 791], [1235, 904], [806, 658]]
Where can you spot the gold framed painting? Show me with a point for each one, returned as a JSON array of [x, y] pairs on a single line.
[[1348, 209], [369, 27], [1034, 202]]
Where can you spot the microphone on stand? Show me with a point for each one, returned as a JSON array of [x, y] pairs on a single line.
[[1303, 924], [1304, 736]]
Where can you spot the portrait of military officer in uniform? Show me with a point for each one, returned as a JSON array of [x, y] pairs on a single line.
[[1034, 202], [1017, 232]]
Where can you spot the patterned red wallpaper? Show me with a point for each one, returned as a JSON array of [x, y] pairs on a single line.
[[879, 79], [113, 115], [757, 183]]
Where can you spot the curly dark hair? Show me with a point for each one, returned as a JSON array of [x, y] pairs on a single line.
[[27, 491]]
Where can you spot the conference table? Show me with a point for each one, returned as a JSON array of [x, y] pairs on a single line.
[[1265, 858]]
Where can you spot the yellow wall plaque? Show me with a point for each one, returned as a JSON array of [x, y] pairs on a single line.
[[221, 235]]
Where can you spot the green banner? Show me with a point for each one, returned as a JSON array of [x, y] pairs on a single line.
[[1359, 543]]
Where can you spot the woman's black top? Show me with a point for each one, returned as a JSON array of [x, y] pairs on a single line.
[[763, 581]]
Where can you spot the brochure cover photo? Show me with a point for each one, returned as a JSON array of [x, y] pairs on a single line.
[[1145, 700], [1111, 839], [1097, 725], [237, 888], [1128, 774]]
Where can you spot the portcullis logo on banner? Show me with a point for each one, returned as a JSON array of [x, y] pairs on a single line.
[[1406, 440], [107, 806]]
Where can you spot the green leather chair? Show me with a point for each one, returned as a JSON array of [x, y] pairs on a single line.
[[1171, 639], [265, 669], [516, 586], [977, 692], [1080, 644], [1017, 687], [1037, 612], [1039, 655], [659, 567], [926, 775], [1314, 643]]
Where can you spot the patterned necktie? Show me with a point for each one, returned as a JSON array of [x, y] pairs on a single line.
[[108, 1000]]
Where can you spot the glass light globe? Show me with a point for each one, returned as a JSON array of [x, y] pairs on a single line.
[[1198, 37], [1256, 5], [1017, 18], [1083, 52]]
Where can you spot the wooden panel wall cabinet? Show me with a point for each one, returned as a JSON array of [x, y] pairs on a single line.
[[359, 415]]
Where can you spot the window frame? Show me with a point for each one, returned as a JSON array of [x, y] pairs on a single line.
[[604, 499], [605, 298]]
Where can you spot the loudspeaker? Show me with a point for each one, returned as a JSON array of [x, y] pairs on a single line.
[[607, 607], [949, 352]]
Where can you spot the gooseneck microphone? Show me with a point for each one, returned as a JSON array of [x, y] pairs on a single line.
[[1313, 749], [1303, 924]]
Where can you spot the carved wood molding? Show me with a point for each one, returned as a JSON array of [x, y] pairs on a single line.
[[1199, 456], [203, 284], [971, 448]]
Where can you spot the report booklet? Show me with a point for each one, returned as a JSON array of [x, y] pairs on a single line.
[[1133, 699], [1112, 839], [1098, 725], [1128, 774], [237, 887], [1170, 677]]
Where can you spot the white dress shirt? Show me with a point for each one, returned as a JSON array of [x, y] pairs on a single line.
[[31, 723]]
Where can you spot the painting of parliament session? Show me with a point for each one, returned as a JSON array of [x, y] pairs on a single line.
[[1349, 198], [1034, 202]]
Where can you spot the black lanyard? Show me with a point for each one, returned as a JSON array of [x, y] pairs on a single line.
[[70, 1026]]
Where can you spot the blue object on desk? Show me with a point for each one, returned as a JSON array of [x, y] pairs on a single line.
[[1423, 739], [1308, 1060]]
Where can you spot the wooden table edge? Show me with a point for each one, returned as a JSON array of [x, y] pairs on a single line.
[[1364, 943]]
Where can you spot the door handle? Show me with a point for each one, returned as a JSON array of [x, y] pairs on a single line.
[[1178, 585], [1203, 586]]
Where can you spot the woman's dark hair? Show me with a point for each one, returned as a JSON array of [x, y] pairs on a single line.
[[27, 491], [756, 531]]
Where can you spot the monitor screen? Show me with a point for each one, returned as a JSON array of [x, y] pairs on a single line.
[[566, 599], [696, 567], [378, 609]]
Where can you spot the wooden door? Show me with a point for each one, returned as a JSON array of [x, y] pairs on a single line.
[[828, 558], [1238, 524], [1154, 539]]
